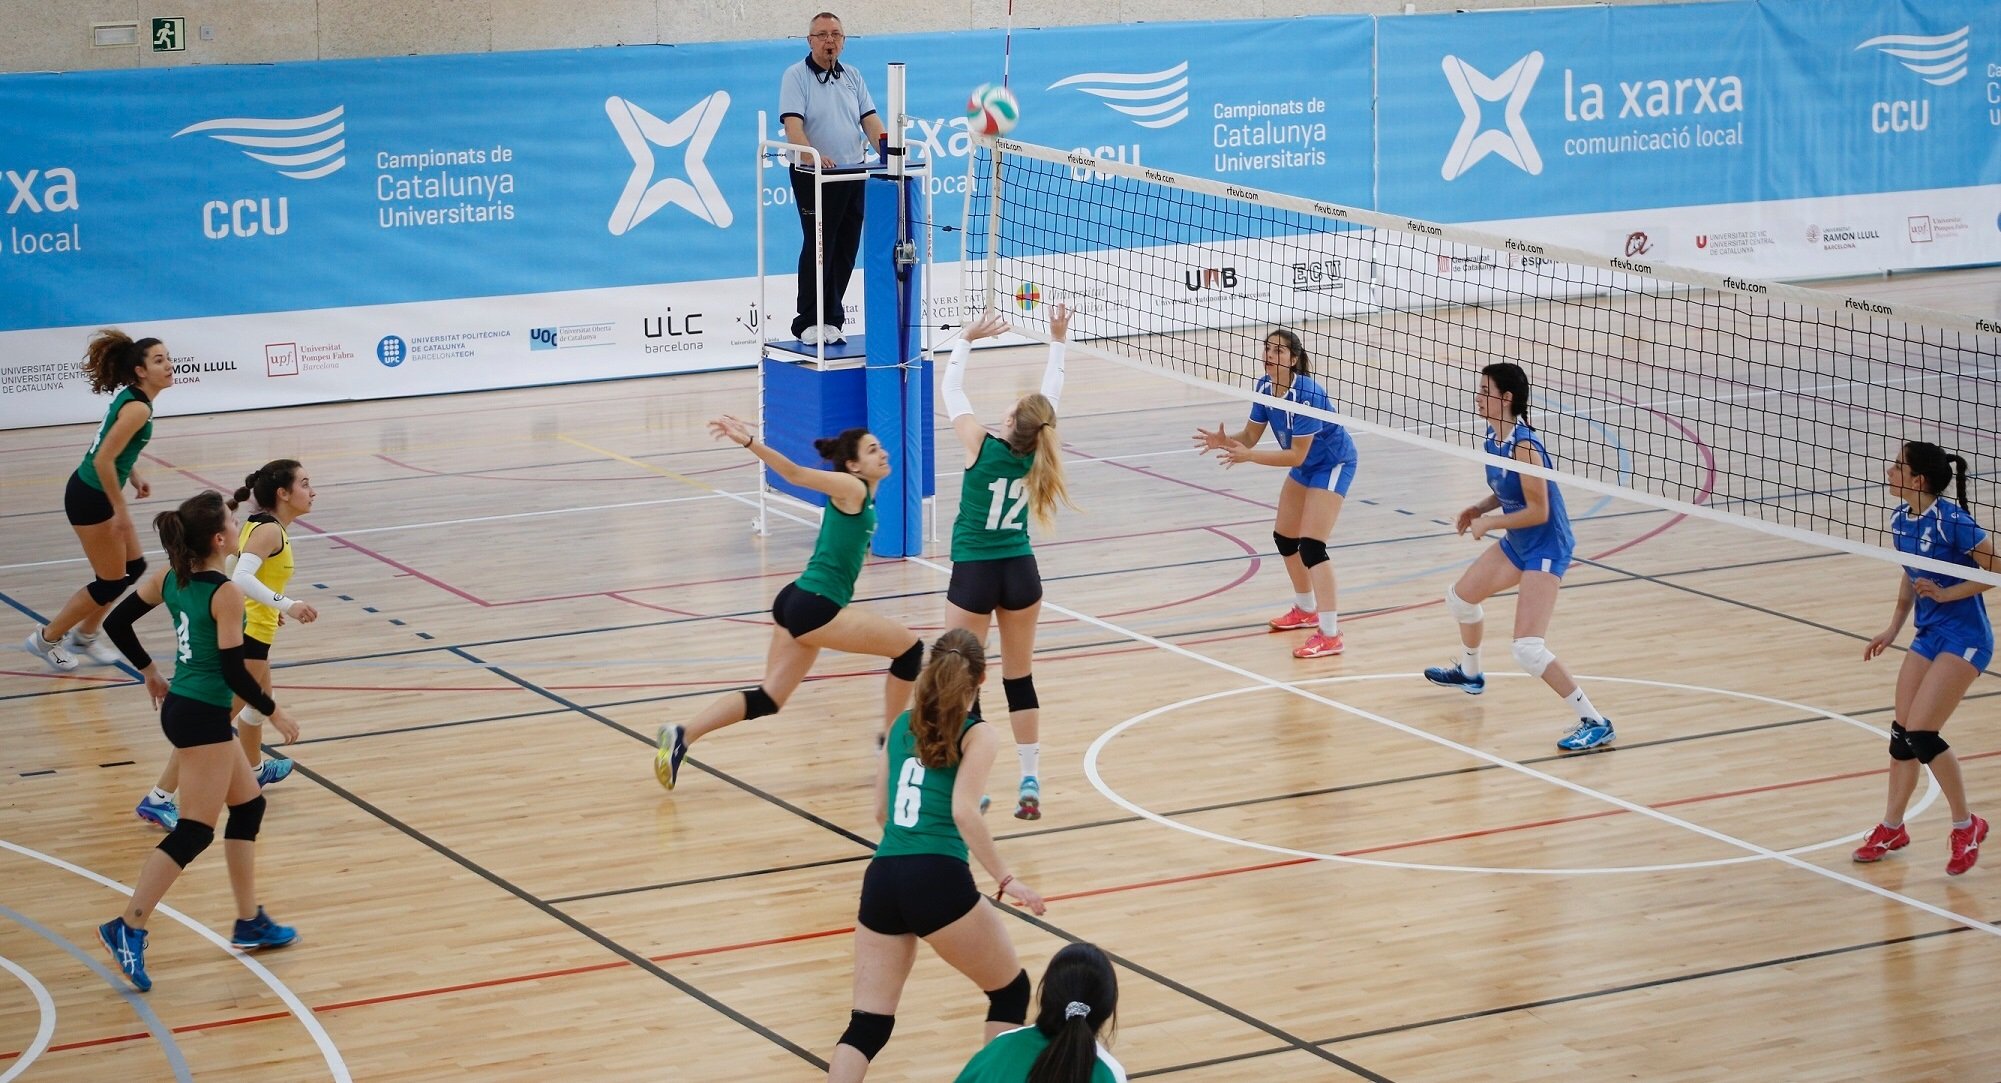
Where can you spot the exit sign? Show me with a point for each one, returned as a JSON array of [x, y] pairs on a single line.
[[170, 35]]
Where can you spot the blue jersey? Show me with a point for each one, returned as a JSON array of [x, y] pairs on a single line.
[[1944, 532], [1548, 545], [1331, 442]]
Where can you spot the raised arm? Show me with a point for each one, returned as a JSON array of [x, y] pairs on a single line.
[[953, 387], [1059, 337], [837, 484]]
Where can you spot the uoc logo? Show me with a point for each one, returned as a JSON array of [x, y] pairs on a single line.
[[391, 351]]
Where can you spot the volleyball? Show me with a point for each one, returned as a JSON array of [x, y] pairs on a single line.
[[992, 110]]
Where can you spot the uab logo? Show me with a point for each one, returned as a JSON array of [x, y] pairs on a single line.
[[1212, 278]]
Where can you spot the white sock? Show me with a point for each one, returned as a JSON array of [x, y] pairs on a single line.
[[1304, 602], [1031, 759], [1581, 703], [1958, 825], [1330, 623], [1469, 661], [83, 638], [159, 795], [1893, 826]]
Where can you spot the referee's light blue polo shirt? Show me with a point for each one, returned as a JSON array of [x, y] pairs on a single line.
[[831, 104]]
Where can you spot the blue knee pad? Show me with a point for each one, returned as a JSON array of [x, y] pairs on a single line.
[[909, 664], [1020, 693], [186, 841], [1287, 546], [868, 1032]]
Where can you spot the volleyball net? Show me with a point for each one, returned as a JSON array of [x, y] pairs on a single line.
[[1760, 404]]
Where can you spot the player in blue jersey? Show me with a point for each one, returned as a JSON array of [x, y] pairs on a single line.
[[1319, 460], [1535, 553], [1954, 643]]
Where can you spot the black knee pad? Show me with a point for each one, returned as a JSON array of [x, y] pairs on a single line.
[[1020, 693], [186, 841], [105, 591], [906, 666], [868, 1032], [134, 568], [244, 820], [1312, 551], [757, 703], [1286, 546], [1927, 744], [1009, 1003], [1900, 743]]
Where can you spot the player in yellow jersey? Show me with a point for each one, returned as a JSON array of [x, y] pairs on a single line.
[[262, 571]]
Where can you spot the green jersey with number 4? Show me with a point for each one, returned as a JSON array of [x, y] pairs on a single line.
[[197, 660], [920, 799], [993, 505], [86, 471]]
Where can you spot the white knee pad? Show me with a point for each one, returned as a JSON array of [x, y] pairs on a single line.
[[1460, 610], [1532, 654], [248, 716]]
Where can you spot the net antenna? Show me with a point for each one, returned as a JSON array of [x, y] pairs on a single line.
[[1750, 403]]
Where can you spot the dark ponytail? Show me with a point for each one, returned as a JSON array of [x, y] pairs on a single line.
[[841, 450], [112, 360], [1080, 994], [265, 481], [1938, 467], [1510, 380], [944, 692], [188, 532]]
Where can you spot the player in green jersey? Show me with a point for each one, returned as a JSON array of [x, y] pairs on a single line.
[[993, 565], [812, 613], [1080, 995], [927, 799], [207, 611], [94, 501]]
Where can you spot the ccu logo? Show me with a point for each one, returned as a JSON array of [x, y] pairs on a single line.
[[1938, 59], [1155, 99], [1511, 87], [302, 148], [641, 131], [391, 351]]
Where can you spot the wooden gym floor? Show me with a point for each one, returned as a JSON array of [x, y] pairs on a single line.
[[1320, 870]]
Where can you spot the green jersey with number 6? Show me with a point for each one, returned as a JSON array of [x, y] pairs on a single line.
[[920, 799], [993, 505], [197, 660]]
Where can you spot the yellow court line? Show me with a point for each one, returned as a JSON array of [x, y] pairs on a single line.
[[630, 461]]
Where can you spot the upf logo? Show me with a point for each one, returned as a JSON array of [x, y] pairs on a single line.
[[1638, 244], [281, 359], [641, 131], [1938, 59], [1155, 99], [1214, 278], [1511, 88]]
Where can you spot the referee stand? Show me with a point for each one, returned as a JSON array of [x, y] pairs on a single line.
[[879, 378]]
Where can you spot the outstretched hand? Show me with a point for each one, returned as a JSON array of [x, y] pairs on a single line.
[[1059, 322], [989, 324], [730, 428], [1233, 452], [1211, 441]]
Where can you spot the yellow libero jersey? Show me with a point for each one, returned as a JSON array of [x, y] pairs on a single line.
[[260, 620]]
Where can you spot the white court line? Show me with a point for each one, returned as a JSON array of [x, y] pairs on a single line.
[[303, 1014], [1485, 757], [43, 1032], [1932, 793]]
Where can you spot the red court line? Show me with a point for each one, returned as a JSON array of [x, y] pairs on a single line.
[[820, 934]]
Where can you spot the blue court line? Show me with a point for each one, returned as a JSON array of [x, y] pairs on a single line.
[[41, 620], [160, 1031]]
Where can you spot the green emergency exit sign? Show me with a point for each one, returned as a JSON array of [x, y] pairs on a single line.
[[170, 35]]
